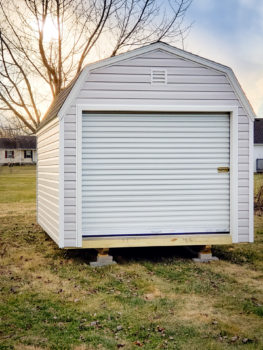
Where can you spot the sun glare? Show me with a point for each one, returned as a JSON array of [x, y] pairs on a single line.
[[50, 30]]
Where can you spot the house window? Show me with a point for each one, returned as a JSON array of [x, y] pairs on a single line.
[[9, 154], [28, 154]]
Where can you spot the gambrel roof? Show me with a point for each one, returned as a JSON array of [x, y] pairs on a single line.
[[63, 100]]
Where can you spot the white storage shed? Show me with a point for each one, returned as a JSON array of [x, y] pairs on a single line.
[[153, 147]]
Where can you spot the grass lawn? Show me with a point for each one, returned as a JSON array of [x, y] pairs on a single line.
[[152, 299]]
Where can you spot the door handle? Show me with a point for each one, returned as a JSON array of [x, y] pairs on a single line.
[[223, 169]]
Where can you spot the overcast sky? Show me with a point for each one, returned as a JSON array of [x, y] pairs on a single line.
[[231, 32]]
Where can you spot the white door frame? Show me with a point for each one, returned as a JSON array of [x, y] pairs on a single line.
[[232, 110]]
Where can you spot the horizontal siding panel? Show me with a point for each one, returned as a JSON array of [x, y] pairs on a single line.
[[243, 207], [157, 62], [70, 202], [69, 143], [70, 218], [49, 147], [48, 176], [70, 126], [70, 209], [48, 190], [49, 183], [48, 227], [243, 151], [243, 232], [242, 198], [244, 238], [48, 154], [48, 133], [143, 86], [70, 193], [45, 202], [242, 222], [69, 160], [166, 95], [49, 162], [70, 169], [70, 176], [70, 227], [49, 217], [49, 214], [243, 135], [243, 190], [49, 140], [243, 214], [115, 69], [70, 185], [146, 78], [70, 242], [105, 102], [70, 151], [243, 167], [48, 196], [70, 117], [70, 235]]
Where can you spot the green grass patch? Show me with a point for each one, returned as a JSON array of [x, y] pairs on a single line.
[[153, 299], [17, 184]]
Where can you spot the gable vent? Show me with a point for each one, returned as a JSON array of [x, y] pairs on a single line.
[[158, 76]]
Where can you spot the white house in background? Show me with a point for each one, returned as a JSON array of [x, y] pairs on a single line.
[[152, 147], [18, 150], [258, 145]]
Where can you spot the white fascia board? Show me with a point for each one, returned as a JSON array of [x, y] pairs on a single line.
[[165, 47], [251, 182]]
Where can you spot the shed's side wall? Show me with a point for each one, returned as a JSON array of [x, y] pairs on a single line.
[[128, 83], [48, 179]]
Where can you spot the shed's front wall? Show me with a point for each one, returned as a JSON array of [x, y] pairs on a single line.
[[48, 179], [129, 83]]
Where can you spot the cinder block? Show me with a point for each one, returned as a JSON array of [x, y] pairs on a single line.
[[103, 260]]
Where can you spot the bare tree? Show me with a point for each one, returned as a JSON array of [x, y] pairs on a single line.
[[11, 127], [44, 44]]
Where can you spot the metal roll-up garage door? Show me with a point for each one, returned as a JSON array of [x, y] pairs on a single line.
[[154, 173]]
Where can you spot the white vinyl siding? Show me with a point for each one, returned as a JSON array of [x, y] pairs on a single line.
[[48, 179], [129, 82], [154, 173]]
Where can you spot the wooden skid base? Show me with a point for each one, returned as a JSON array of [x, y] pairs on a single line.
[[156, 241]]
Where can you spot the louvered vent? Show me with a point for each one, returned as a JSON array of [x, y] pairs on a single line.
[[158, 76]]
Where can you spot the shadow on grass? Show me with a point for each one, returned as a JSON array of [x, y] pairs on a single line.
[[127, 255]]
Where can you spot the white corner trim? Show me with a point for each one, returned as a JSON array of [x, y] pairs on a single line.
[[61, 241], [232, 110], [234, 174], [37, 181], [78, 176], [251, 181], [165, 47]]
